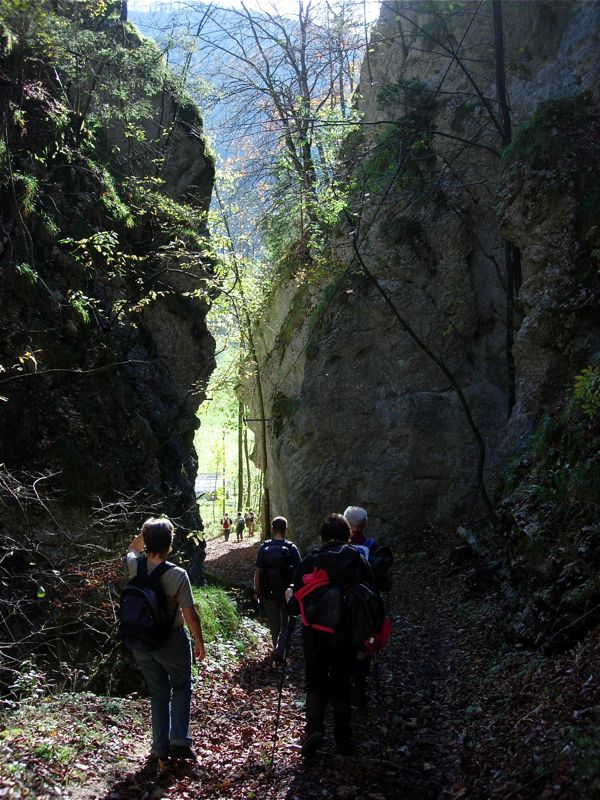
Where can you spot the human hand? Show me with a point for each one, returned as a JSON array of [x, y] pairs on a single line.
[[199, 650]]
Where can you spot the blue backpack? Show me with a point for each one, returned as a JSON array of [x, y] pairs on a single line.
[[144, 621]]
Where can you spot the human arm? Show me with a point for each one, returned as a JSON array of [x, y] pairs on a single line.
[[137, 544], [296, 557], [256, 580], [192, 620], [306, 566]]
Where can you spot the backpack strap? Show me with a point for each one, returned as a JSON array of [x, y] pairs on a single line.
[[316, 579], [141, 568], [157, 572], [154, 577]]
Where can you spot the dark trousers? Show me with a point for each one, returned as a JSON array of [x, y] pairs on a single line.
[[360, 676], [328, 677], [276, 613]]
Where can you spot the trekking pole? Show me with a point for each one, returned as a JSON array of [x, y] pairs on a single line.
[[387, 605], [291, 624], [378, 700], [278, 714], [378, 691]]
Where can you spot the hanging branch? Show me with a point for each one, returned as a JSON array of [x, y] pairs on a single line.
[[443, 368]]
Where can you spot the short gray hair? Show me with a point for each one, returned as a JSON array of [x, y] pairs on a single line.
[[355, 516]]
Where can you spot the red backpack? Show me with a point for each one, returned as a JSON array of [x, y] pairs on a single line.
[[352, 613]]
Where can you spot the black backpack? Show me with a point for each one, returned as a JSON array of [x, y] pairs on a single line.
[[363, 614], [145, 622], [382, 562], [277, 571]]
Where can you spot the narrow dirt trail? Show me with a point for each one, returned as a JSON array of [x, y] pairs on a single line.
[[452, 714], [407, 745]]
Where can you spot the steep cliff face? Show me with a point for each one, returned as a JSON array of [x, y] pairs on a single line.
[[550, 207], [104, 348], [360, 413]]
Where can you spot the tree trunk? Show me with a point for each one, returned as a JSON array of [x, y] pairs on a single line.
[[240, 491], [248, 476], [224, 478], [512, 255]]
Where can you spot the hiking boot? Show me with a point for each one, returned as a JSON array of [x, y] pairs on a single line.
[[154, 756], [181, 751], [312, 744], [345, 748]]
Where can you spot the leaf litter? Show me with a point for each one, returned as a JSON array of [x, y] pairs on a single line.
[[454, 713]]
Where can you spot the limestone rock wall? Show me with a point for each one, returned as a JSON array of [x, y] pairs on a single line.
[[358, 412], [104, 358]]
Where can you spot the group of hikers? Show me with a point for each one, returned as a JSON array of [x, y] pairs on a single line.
[[335, 590], [242, 521]]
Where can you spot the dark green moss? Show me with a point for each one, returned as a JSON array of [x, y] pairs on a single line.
[[296, 315], [283, 408], [542, 140]]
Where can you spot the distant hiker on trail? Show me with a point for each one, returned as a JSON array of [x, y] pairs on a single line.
[[226, 523], [167, 668], [276, 562], [330, 647], [250, 524], [239, 527]]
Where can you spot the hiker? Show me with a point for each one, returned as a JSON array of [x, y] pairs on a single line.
[[329, 657], [276, 563], [381, 560], [239, 527], [356, 517], [226, 526], [250, 523], [167, 670], [380, 557]]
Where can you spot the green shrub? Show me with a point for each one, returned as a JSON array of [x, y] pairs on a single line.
[[587, 390], [28, 272], [218, 612]]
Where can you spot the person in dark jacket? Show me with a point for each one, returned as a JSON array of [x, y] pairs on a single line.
[[329, 661], [277, 557]]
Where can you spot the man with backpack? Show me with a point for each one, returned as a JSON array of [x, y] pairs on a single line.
[[356, 517], [154, 606], [276, 563], [381, 560], [239, 527], [324, 582]]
